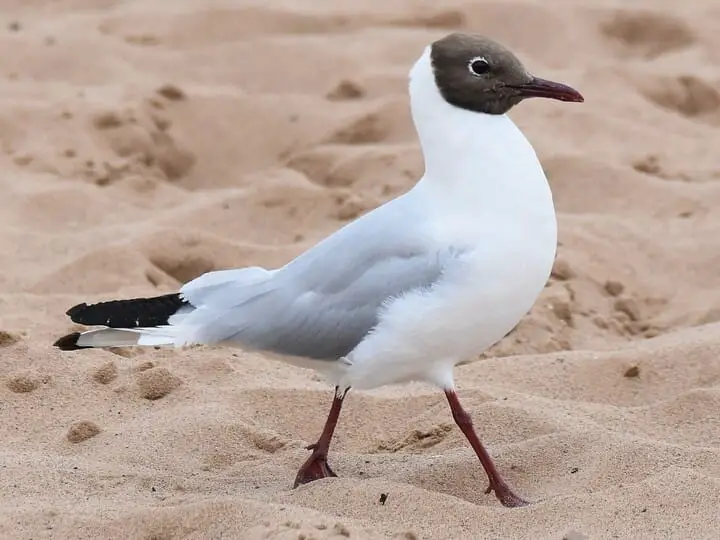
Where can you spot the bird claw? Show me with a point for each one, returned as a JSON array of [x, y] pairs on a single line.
[[506, 496], [315, 468], [510, 500]]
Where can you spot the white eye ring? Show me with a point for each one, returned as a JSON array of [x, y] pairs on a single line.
[[478, 66]]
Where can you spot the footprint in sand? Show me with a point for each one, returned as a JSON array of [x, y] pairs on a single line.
[[156, 383], [646, 34], [687, 95], [25, 383], [82, 431]]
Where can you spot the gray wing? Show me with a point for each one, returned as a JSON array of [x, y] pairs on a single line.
[[322, 304], [329, 320]]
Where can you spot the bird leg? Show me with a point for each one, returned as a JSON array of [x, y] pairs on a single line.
[[497, 484], [316, 466]]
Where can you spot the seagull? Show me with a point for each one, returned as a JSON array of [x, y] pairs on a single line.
[[408, 290]]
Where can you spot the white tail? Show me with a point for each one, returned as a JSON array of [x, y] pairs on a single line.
[[116, 337]]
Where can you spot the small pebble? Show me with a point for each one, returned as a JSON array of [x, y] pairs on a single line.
[[632, 371], [171, 92]]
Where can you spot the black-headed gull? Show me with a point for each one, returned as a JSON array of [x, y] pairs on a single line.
[[410, 289]]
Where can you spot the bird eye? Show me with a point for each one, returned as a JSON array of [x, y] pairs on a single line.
[[479, 66]]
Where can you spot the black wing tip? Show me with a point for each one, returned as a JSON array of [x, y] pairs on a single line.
[[128, 313], [69, 342], [74, 311]]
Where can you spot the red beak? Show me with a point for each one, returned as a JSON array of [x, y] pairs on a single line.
[[548, 89]]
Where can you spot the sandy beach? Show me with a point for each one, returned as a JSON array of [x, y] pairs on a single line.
[[144, 142]]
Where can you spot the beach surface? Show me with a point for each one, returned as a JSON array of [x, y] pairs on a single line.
[[143, 143]]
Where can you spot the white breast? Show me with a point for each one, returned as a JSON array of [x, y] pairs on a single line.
[[485, 191], [480, 298]]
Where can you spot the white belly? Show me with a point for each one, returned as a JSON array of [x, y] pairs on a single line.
[[422, 336]]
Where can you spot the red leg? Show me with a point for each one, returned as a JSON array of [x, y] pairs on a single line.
[[502, 491], [316, 466]]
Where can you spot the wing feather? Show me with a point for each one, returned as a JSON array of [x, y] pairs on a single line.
[[323, 303]]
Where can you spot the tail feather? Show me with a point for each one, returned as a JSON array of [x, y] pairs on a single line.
[[139, 321], [133, 313], [113, 337], [69, 342]]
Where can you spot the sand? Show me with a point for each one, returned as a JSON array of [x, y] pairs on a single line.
[[145, 142]]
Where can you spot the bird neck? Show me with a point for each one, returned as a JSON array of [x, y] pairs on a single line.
[[484, 158]]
